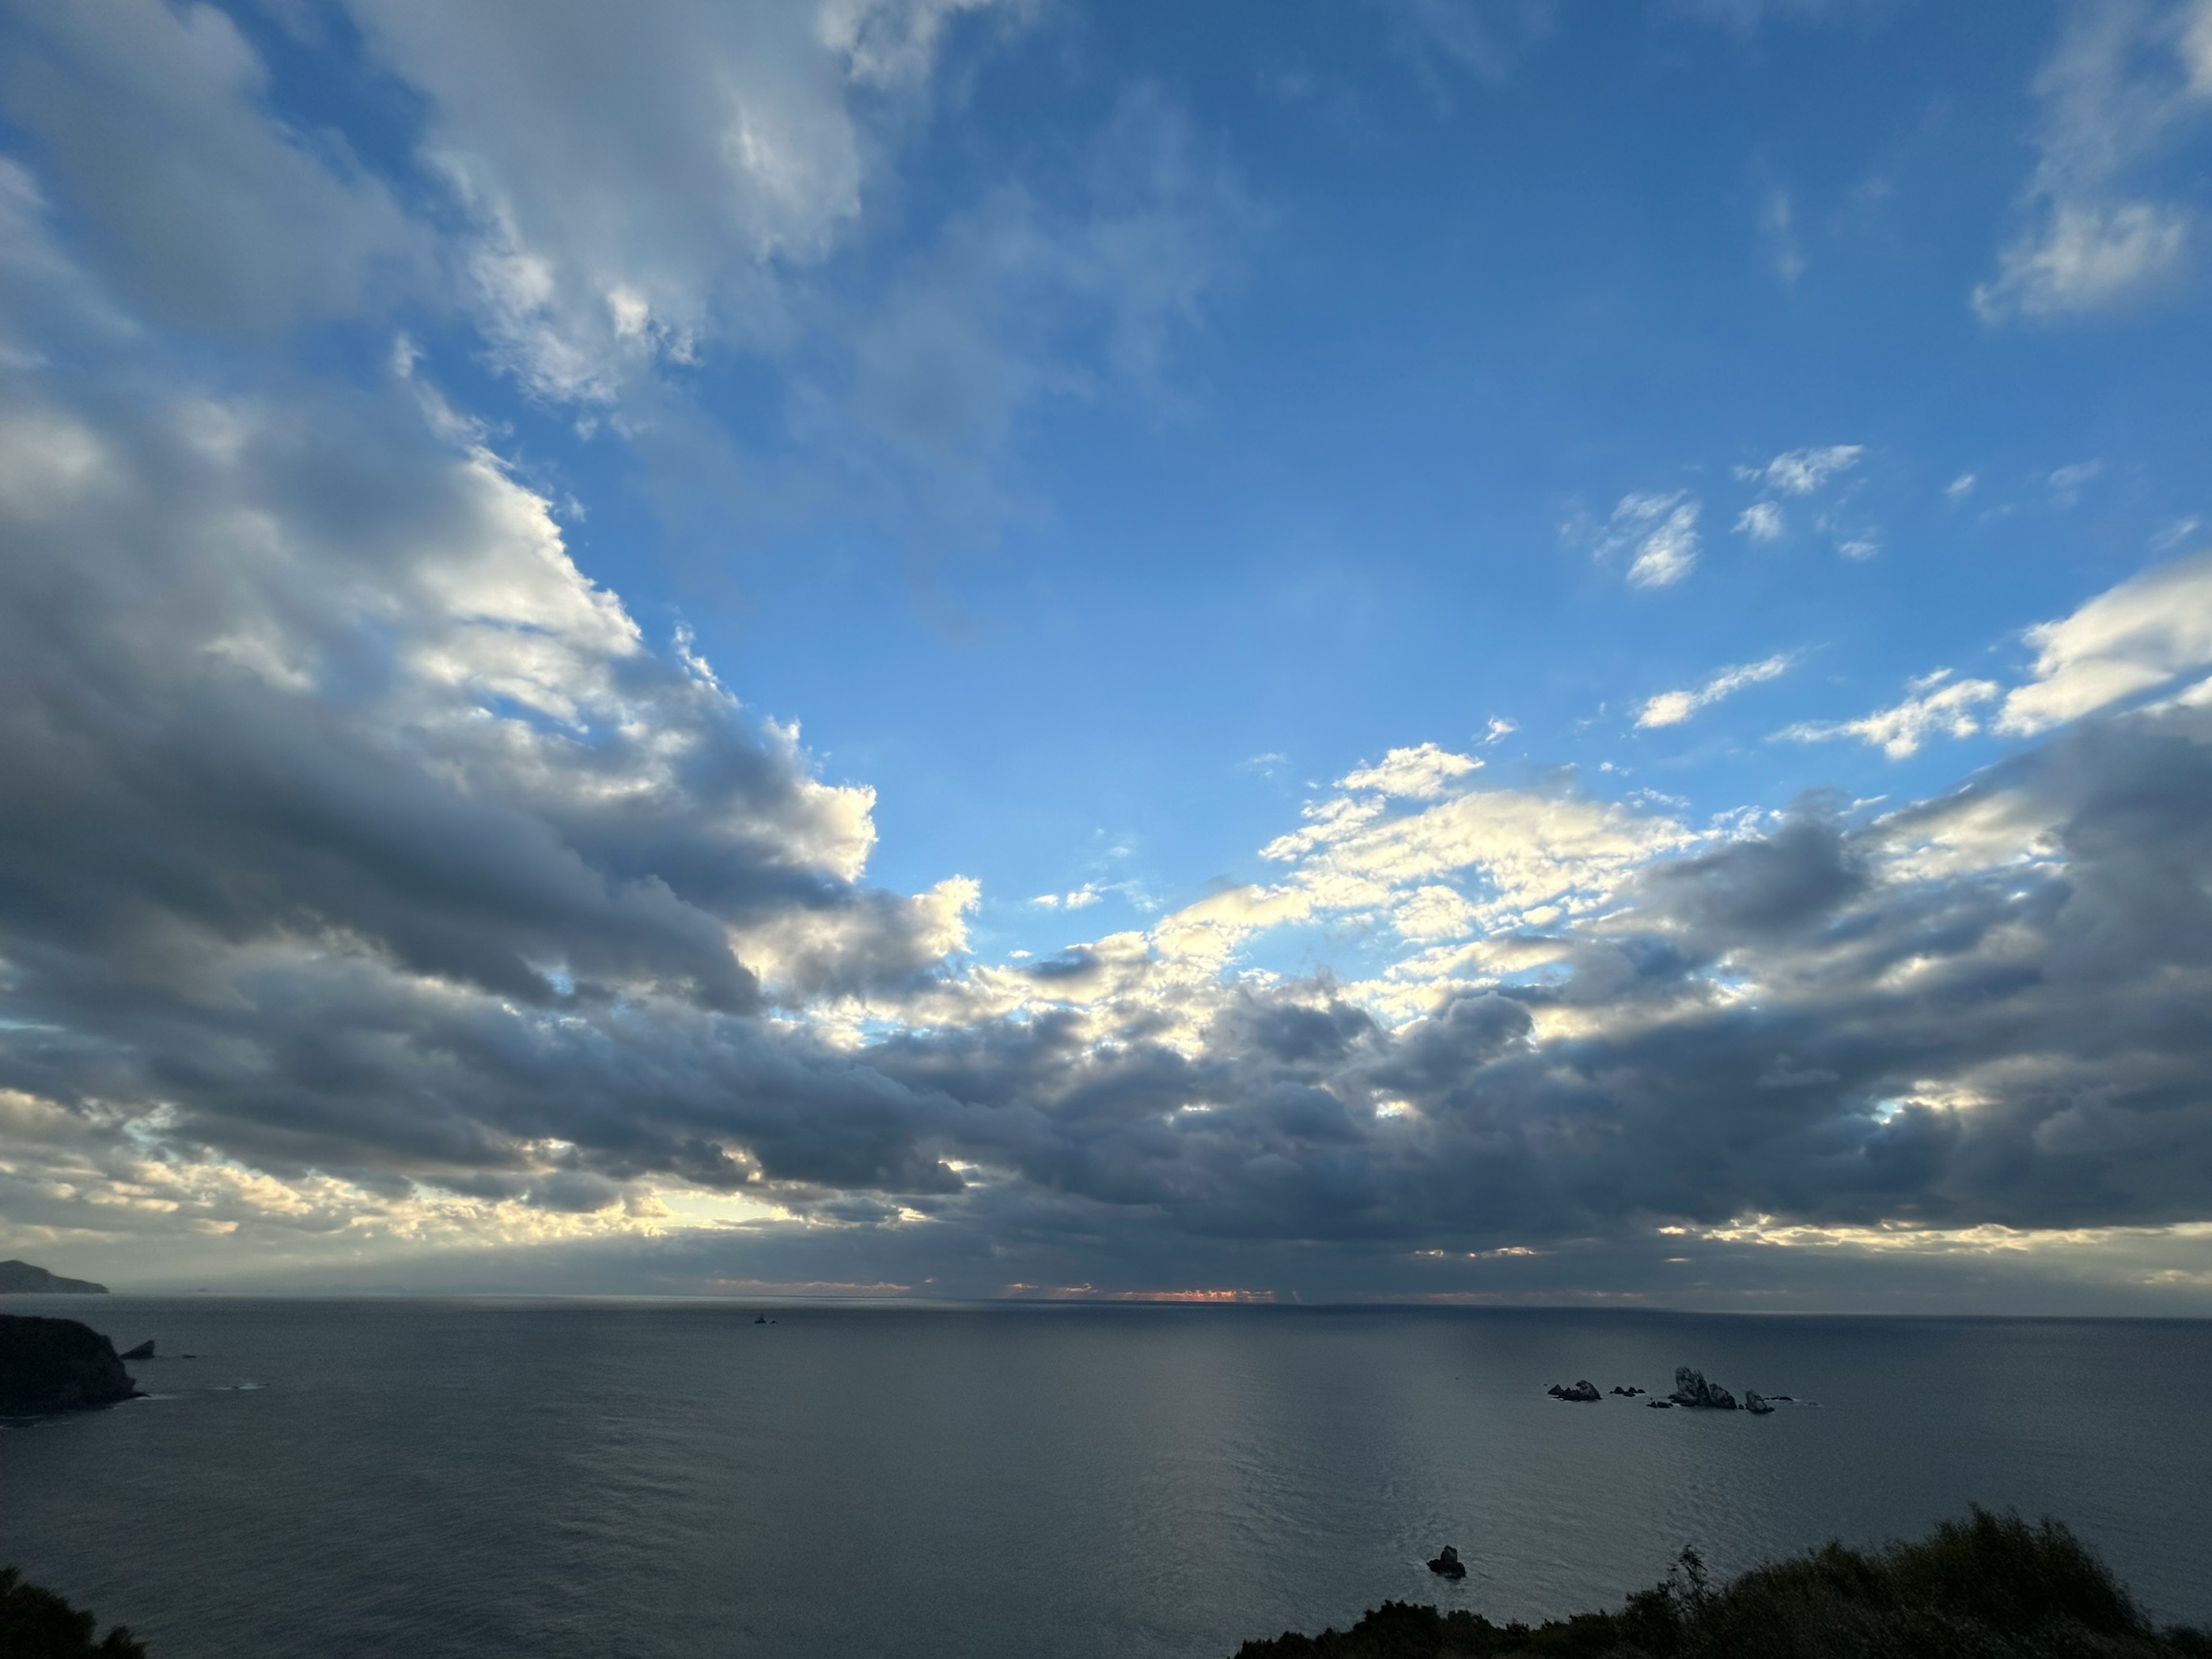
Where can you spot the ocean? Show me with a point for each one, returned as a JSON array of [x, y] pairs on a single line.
[[610, 1478]]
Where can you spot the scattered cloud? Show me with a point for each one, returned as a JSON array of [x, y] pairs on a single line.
[[1802, 472], [1657, 534], [1762, 521], [1672, 708], [1960, 487], [1779, 235], [1939, 706], [1498, 729], [2124, 82], [1423, 773], [2065, 484], [2149, 631]]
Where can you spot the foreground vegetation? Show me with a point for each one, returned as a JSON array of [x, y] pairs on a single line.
[[1988, 1587], [37, 1624]]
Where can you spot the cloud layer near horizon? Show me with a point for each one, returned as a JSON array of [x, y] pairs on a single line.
[[370, 878]]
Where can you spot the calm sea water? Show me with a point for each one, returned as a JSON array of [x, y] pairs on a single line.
[[612, 1479]]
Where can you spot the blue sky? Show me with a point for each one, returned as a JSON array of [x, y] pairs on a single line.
[[1474, 522]]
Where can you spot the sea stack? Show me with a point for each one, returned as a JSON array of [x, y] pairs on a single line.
[[1446, 1565]]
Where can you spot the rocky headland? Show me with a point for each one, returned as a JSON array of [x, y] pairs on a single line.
[[22, 1278], [57, 1365]]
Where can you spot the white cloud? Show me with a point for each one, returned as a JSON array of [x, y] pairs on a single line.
[[1780, 235], [1761, 521], [2065, 483], [2151, 628], [1498, 728], [1672, 708], [1802, 471], [1858, 547], [1423, 772], [1960, 487], [2124, 81], [1660, 532], [1939, 706]]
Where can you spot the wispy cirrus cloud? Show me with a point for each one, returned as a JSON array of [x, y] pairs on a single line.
[[1657, 534], [1672, 708], [2125, 81], [1938, 705]]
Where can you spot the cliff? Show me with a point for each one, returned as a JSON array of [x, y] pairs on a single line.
[[1992, 1587], [57, 1365], [22, 1278]]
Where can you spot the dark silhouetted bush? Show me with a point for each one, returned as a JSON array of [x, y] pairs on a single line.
[[1988, 1587], [37, 1624]]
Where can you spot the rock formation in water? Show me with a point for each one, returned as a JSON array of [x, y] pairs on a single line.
[[1754, 1404], [1448, 1565], [143, 1351], [22, 1278], [1585, 1390], [1628, 1393], [1691, 1388], [57, 1365]]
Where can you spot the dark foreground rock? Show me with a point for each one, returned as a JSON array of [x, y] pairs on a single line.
[[57, 1365], [37, 1624], [22, 1278], [1988, 1587]]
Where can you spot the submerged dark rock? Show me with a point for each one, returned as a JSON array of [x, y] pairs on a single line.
[[143, 1351], [1448, 1565], [57, 1365], [1628, 1393], [22, 1278], [1583, 1391], [1754, 1404], [1661, 1405]]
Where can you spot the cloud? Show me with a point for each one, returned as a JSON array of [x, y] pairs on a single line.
[[208, 213], [1960, 487], [1424, 772], [1939, 707], [1803, 471], [2149, 631], [1778, 231], [1658, 532], [1761, 521], [1470, 38], [2124, 82], [1672, 708]]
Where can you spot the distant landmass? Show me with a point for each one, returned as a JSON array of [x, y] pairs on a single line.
[[22, 1278]]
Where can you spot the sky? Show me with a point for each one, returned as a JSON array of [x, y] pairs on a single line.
[[1424, 650]]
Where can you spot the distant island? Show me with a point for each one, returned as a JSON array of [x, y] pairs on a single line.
[[1991, 1587], [57, 1365], [22, 1278]]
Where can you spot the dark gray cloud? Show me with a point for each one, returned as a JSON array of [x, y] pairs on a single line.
[[360, 860]]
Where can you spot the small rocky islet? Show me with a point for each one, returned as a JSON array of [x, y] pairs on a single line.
[[1691, 1389]]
